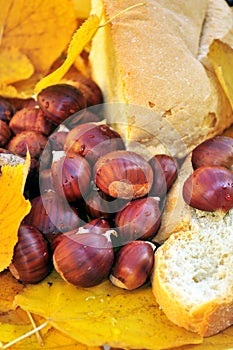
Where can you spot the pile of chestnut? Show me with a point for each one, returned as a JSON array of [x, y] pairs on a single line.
[[95, 206]]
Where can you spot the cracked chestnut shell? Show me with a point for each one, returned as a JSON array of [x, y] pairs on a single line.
[[59, 101], [123, 174], [209, 188]]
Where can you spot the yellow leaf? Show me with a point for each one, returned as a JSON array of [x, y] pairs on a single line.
[[80, 39], [221, 57], [40, 29], [20, 67], [82, 8], [104, 315], [13, 208]]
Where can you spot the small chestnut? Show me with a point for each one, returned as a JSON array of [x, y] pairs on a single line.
[[31, 259], [71, 175], [133, 265], [59, 101], [5, 133], [93, 140], [209, 188], [165, 172], [89, 88], [84, 259], [123, 174], [217, 151], [139, 219], [6, 110], [30, 119], [52, 215]]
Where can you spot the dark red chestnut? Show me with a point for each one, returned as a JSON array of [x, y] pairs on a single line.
[[89, 88], [133, 265], [123, 174], [71, 175], [60, 101], [139, 219], [217, 151], [6, 110], [209, 188], [91, 140], [31, 259], [5, 133], [165, 172], [30, 119], [52, 215], [84, 259]]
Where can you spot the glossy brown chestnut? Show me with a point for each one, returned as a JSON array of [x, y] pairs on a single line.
[[91, 141], [31, 119], [209, 188], [123, 174], [139, 219], [6, 110], [34, 142], [51, 215], [71, 176], [84, 260], [165, 172], [98, 204], [133, 265], [5, 133], [31, 259], [90, 89], [60, 101], [217, 151]]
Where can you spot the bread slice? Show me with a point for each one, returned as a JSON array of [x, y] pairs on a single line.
[[147, 58], [193, 276]]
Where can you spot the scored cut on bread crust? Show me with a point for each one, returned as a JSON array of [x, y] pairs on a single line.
[[148, 57], [192, 278]]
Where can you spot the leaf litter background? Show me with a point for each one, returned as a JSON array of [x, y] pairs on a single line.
[[34, 34]]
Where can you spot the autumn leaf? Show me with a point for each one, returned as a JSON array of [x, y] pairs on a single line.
[[13, 208], [82, 8], [20, 67], [80, 39], [40, 29], [221, 57], [104, 314]]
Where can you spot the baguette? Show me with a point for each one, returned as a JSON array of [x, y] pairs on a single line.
[[148, 57], [193, 277]]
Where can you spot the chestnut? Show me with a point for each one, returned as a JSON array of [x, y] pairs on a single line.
[[30, 119], [165, 171], [82, 117], [84, 259], [133, 265], [217, 151], [92, 140], [139, 219], [123, 174], [71, 175], [28, 140], [31, 259], [98, 204], [89, 88], [5, 133], [6, 110], [59, 101], [52, 215], [209, 188]]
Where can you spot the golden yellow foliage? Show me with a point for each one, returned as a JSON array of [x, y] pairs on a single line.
[[221, 57], [20, 67], [104, 314], [41, 29], [82, 8], [13, 208], [80, 39]]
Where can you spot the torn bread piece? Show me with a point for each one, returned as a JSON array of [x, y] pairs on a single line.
[[146, 59]]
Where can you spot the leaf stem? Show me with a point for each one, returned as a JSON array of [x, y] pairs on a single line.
[[35, 330], [38, 335]]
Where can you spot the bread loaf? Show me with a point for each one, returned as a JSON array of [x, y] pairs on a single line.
[[149, 60], [193, 277]]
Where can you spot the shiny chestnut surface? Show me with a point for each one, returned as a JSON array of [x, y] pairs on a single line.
[[209, 188], [123, 174]]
